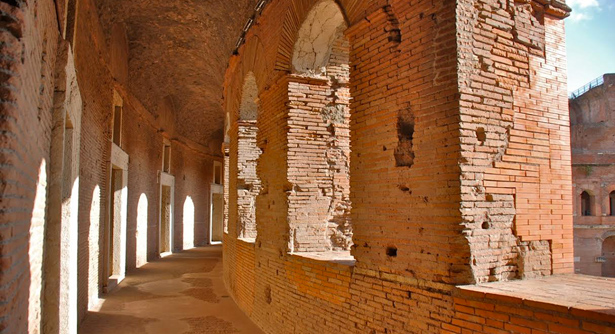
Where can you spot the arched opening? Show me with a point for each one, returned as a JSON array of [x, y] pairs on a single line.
[[141, 232], [248, 154], [317, 50], [608, 253], [319, 132], [612, 203], [586, 207], [188, 225]]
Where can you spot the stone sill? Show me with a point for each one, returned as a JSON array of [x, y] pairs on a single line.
[[339, 257], [248, 240], [578, 295]]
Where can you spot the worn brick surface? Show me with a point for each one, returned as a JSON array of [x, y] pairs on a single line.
[[28, 51], [30, 42], [459, 168], [442, 124]]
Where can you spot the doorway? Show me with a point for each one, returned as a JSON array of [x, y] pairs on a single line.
[[165, 233], [217, 216], [608, 252], [216, 206], [115, 230], [116, 219]]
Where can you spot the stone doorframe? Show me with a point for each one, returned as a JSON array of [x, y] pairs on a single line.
[[166, 180], [113, 276]]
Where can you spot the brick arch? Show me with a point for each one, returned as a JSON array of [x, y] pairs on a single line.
[[581, 190], [248, 109], [253, 52], [352, 10], [293, 20], [240, 66], [607, 235]]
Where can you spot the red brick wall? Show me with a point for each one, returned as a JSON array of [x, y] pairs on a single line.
[[459, 165], [97, 93], [492, 313], [29, 44], [515, 143]]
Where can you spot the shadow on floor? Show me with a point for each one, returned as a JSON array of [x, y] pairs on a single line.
[[182, 293]]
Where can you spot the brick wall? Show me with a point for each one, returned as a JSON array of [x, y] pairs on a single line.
[[143, 143], [26, 109], [30, 43], [459, 171], [478, 312], [515, 138]]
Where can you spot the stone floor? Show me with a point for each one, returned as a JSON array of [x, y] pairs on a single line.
[[182, 293]]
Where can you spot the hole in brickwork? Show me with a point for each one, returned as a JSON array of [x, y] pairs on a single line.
[[485, 225], [489, 198], [268, 295], [481, 135], [393, 28], [492, 275], [404, 154], [409, 294], [391, 251], [12, 2]]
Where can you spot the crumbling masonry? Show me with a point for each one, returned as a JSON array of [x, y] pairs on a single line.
[[387, 166]]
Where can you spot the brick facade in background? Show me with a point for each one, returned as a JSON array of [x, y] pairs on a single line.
[[592, 116]]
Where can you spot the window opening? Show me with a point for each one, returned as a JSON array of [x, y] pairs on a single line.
[[585, 204]]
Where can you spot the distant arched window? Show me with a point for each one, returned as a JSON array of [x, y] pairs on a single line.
[[586, 204], [612, 203], [608, 254]]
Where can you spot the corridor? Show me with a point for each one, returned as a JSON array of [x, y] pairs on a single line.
[[183, 293]]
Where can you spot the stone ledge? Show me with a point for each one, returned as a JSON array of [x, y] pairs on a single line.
[[250, 241], [338, 257], [577, 295]]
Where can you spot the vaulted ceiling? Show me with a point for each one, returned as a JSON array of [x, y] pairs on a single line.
[[178, 53]]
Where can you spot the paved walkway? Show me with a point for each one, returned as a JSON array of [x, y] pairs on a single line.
[[182, 293]]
